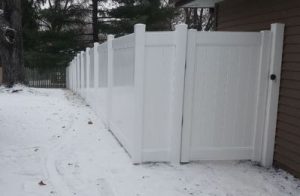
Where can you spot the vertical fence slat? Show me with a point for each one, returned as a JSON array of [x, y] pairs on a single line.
[[109, 77], [139, 32]]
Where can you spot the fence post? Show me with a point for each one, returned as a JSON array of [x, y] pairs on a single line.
[[70, 73], [88, 65], [96, 65], [78, 72], [109, 78], [73, 75], [73, 70], [68, 84], [273, 94], [82, 67], [87, 74], [139, 58], [178, 92], [67, 75], [70, 76]]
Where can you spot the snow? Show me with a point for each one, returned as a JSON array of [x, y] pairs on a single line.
[[45, 136]]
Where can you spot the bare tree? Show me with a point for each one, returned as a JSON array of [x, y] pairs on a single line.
[[11, 43], [202, 19]]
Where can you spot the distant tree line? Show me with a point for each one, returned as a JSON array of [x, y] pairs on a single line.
[[48, 33]]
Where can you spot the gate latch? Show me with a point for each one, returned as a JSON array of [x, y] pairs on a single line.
[[273, 76]]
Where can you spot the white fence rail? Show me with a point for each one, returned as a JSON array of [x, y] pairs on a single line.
[[161, 110]]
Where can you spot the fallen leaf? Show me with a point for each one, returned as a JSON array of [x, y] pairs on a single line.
[[41, 183], [17, 90]]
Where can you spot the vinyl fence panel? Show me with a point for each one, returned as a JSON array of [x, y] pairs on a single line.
[[135, 83]]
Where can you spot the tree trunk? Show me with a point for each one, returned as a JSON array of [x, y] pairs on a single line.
[[11, 42], [95, 21]]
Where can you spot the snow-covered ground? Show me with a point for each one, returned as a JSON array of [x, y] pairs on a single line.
[[45, 135]]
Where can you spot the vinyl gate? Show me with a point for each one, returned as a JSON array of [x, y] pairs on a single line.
[[228, 95]]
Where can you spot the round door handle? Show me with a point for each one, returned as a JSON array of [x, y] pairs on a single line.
[[273, 77]]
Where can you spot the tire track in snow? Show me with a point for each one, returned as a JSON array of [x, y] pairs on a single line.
[[55, 177]]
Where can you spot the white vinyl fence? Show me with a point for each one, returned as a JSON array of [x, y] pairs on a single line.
[[135, 83], [180, 96]]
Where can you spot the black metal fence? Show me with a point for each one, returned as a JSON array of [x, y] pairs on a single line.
[[46, 78]]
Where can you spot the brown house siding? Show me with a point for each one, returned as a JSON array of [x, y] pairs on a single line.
[[256, 15]]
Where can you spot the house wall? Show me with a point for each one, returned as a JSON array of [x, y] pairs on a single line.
[[255, 15]]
